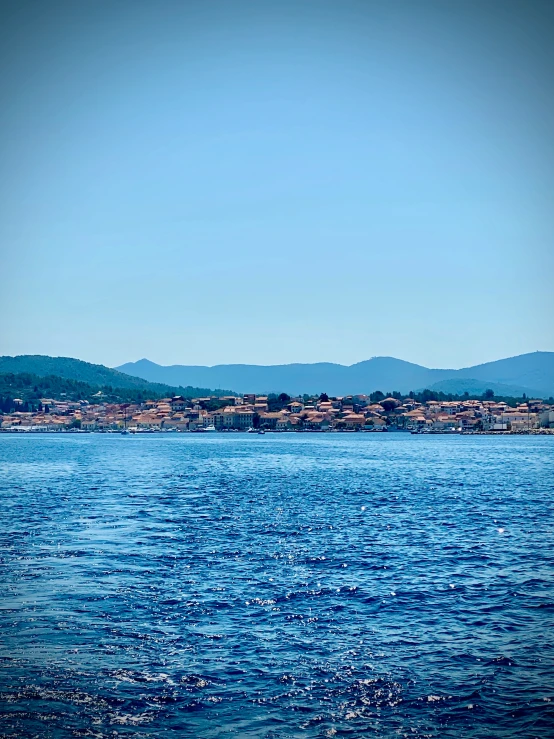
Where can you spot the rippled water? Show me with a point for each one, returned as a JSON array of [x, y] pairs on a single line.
[[296, 585]]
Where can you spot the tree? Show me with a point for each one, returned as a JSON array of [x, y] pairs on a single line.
[[389, 405], [324, 397], [377, 396], [489, 394], [427, 395], [277, 403], [214, 404]]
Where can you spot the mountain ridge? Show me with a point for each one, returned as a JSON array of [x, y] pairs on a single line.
[[531, 373]]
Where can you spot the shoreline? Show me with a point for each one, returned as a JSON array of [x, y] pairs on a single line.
[[142, 432]]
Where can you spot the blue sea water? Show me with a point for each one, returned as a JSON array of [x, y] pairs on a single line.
[[277, 586]]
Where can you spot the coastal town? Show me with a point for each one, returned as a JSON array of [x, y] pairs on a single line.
[[260, 414]]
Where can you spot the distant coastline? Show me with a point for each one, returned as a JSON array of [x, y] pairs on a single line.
[[65, 394]]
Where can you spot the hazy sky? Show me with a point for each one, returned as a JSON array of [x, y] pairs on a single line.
[[269, 182]]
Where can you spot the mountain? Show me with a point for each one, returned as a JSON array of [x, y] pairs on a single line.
[[69, 369], [335, 379], [532, 374], [93, 374], [529, 373], [535, 370]]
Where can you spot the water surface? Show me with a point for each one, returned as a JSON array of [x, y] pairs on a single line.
[[277, 586]]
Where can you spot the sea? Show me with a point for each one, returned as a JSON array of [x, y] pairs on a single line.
[[276, 587]]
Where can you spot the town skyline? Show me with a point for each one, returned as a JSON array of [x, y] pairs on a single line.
[[417, 413]]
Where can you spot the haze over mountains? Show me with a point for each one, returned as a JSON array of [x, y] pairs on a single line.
[[532, 374]]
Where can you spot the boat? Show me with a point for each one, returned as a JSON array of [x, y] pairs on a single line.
[[211, 427], [261, 431]]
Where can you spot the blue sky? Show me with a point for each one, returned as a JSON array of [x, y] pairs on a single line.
[[206, 183]]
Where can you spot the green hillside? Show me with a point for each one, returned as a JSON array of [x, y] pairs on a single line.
[[70, 369], [93, 374], [31, 389]]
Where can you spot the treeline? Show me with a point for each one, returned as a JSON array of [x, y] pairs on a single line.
[[426, 395], [30, 388], [422, 396]]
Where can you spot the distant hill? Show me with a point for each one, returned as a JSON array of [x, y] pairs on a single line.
[[68, 368], [335, 379], [532, 374], [478, 387], [94, 374], [535, 370], [529, 373]]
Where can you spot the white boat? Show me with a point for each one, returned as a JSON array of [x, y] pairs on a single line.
[[210, 428]]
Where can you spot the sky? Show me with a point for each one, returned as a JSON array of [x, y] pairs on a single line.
[[271, 182]]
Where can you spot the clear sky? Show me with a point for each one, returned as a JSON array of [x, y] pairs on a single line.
[[270, 182]]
